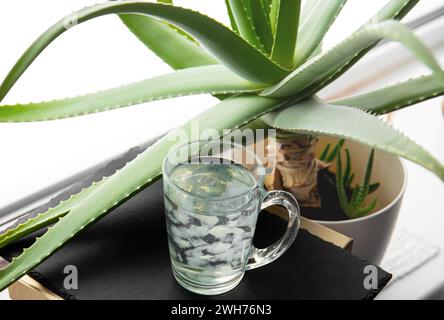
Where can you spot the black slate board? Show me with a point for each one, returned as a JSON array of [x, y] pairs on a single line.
[[125, 256]]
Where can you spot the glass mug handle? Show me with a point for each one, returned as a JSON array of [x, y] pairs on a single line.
[[261, 257]]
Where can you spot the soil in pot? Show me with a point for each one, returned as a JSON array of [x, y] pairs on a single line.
[[331, 209]]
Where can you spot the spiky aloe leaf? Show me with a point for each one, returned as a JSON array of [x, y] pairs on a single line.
[[320, 67], [44, 219], [397, 96], [335, 151], [139, 173], [348, 168], [342, 195], [179, 51], [317, 16], [231, 17], [274, 10], [328, 156], [373, 187], [349, 182], [314, 117], [243, 16], [368, 169], [324, 154], [223, 43], [364, 188], [353, 198], [394, 9], [261, 20], [367, 210], [266, 4], [173, 27], [286, 32], [208, 79]]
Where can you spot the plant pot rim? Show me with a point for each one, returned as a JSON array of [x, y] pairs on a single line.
[[379, 212]]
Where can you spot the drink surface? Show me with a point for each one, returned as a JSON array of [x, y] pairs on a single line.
[[210, 235], [213, 180]]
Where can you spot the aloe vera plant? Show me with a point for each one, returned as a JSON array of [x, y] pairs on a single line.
[[354, 206], [351, 198], [266, 69]]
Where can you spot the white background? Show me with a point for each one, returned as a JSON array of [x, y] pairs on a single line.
[[100, 54]]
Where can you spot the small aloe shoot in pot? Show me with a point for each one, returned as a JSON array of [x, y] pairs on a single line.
[[352, 199]]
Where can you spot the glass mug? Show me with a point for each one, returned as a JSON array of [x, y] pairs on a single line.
[[213, 193]]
